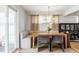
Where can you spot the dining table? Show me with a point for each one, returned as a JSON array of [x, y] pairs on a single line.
[[50, 34]]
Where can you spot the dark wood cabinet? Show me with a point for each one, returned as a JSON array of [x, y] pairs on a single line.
[[71, 28]]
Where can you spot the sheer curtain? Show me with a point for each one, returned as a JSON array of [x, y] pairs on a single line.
[[34, 22], [55, 23]]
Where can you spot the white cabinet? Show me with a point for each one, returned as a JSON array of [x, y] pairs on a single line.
[[26, 42]]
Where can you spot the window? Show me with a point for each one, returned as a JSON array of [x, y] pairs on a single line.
[[12, 29], [2, 28], [44, 21], [48, 21]]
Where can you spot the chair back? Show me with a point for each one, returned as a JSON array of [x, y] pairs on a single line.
[[58, 39]]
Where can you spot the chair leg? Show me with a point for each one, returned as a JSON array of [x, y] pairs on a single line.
[[50, 46], [38, 45], [63, 47]]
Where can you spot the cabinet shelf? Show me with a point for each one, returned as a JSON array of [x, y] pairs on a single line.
[[71, 28]]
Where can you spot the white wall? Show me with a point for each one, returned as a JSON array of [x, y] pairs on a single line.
[[24, 17], [28, 23], [67, 19]]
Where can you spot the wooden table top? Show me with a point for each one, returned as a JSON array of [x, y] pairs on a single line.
[[48, 33], [36, 34]]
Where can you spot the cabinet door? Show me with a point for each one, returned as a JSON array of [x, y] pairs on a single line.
[[26, 42], [76, 26], [67, 27], [72, 27]]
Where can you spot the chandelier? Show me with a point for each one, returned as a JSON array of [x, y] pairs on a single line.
[[49, 16]]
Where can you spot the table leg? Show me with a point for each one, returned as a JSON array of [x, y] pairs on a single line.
[[65, 41], [50, 45], [33, 42]]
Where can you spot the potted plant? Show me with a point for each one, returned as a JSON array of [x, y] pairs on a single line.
[[49, 28]]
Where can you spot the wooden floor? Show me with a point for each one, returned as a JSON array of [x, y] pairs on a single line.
[[74, 49], [75, 46]]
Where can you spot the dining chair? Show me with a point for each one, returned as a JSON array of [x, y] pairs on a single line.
[[59, 41], [42, 41]]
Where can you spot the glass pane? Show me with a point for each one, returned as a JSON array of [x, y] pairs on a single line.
[[12, 18], [72, 27], [46, 22], [2, 37], [62, 27], [2, 34], [42, 19], [67, 27], [11, 30], [43, 27], [2, 27], [42, 23], [49, 19], [2, 18]]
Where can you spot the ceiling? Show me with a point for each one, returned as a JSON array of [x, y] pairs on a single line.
[[75, 13], [43, 9], [2, 8]]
